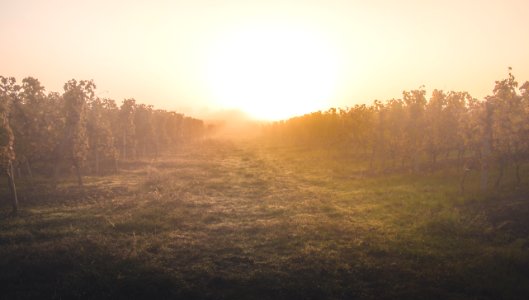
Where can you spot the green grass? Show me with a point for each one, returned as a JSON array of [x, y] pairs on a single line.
[[223, 220]]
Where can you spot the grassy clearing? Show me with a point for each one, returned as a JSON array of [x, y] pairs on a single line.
[[231, 220]]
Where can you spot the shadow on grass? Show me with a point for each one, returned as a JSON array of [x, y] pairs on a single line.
[[68, 274]]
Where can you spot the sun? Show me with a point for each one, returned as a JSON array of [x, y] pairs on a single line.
[[272, 72]]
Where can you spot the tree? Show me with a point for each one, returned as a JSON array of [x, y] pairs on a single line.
[[75, 143], [456, 112], [127, 127], [8, 91], [435, 137], [160, 120], [395, 135], [144, 134], [359, 123], [30, 119], [415, 104], [508, 126], [99, 130]]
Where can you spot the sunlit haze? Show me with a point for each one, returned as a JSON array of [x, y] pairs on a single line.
[[270, 59], [272, 72]]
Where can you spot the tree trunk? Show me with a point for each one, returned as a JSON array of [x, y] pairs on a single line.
[[28, 169], [460, 155], [55, 174], [12, 187], [462, 182], [19, 172], [393, 160], [78, 173], [372, 159], [124, 145], [484, 175], [416, 163], [518, 179], [500, 175], [486, 147], [434, 160], [97, 162], [156, 149], [116, 164]]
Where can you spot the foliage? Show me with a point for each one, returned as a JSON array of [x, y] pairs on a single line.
[[76, 128], [418, 134]]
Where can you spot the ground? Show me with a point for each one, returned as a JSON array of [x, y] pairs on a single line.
[[244, 220]]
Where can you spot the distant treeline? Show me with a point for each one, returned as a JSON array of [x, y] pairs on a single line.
[[419, 134], [51, 132]]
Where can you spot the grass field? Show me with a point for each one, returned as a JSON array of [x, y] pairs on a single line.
[[235, 220]]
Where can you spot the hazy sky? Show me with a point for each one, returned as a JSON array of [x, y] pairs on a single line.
[[161, 52]]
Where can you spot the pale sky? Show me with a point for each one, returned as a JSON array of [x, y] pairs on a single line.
[[181, 54]]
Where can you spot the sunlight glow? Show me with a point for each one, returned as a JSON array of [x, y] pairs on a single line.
[[272, 72]]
